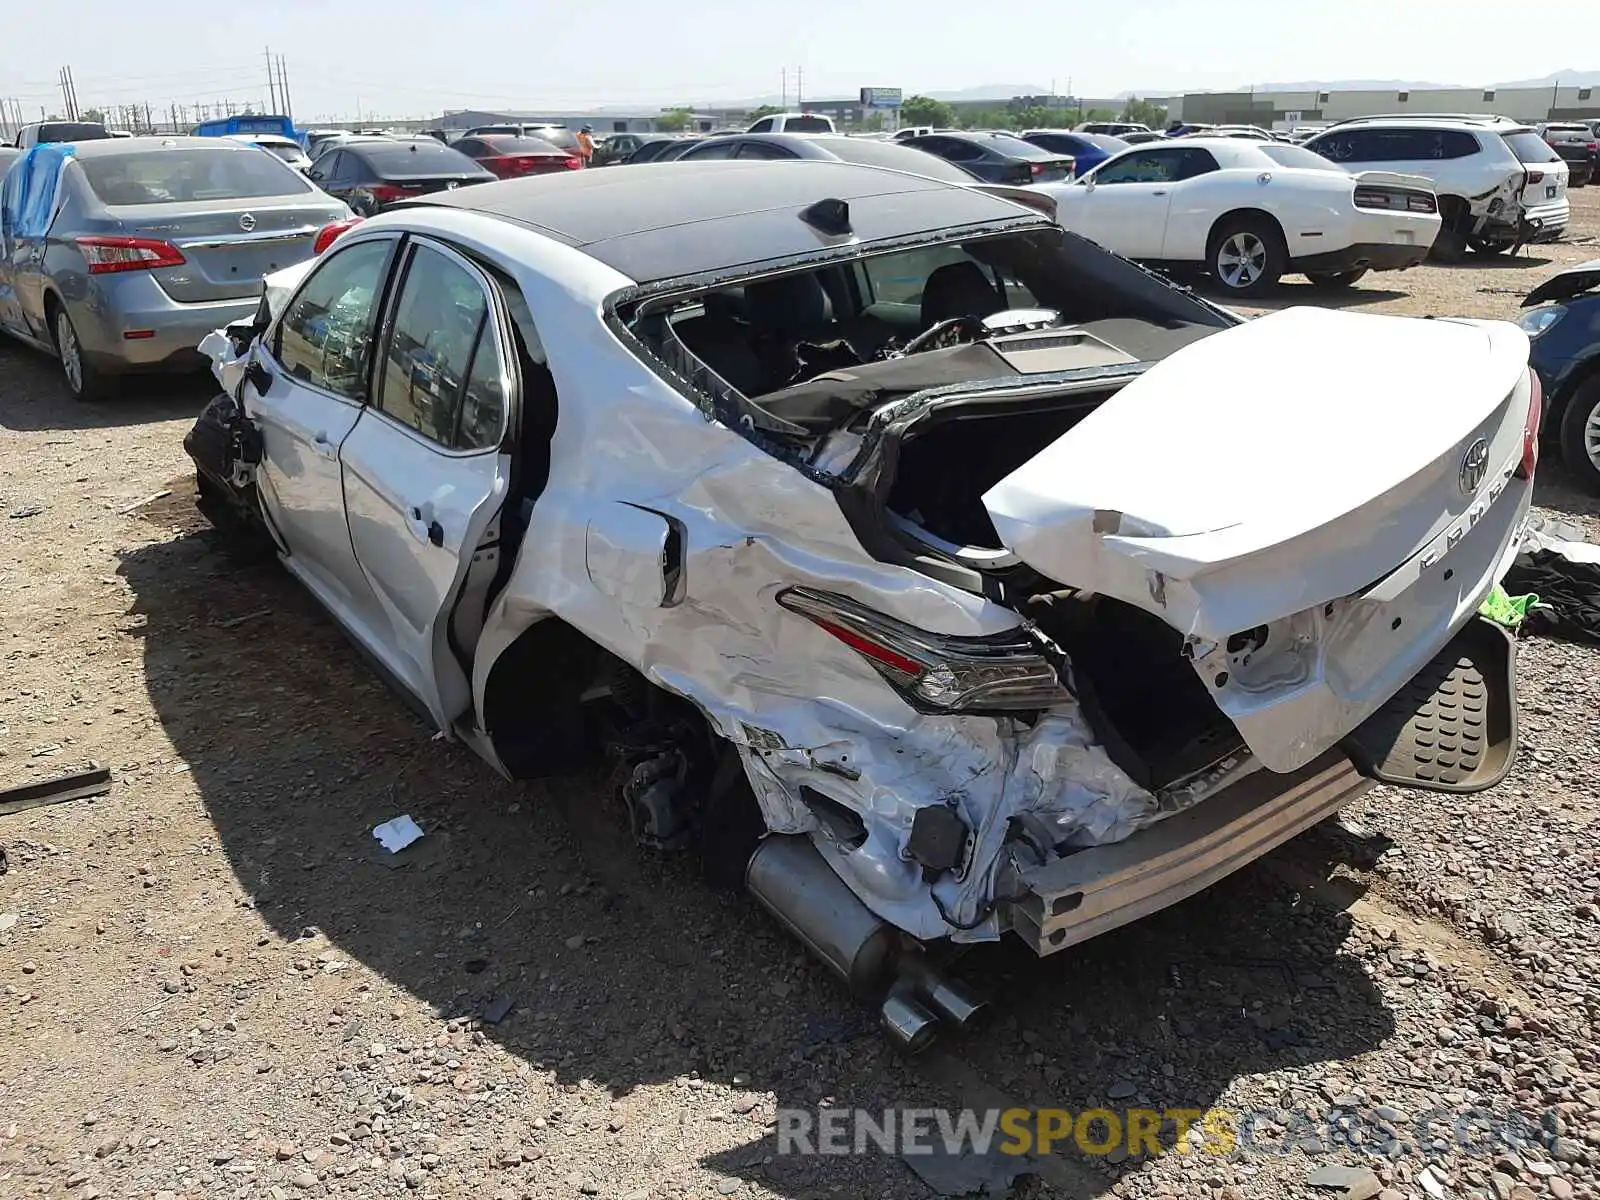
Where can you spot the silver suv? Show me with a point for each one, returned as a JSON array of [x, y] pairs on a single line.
[[1499, 183]]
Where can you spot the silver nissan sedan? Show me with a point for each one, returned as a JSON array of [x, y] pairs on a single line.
[[119, 255]]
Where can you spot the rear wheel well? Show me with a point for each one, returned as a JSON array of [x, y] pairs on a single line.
[[556, 702], [1454, 211], [1557, 405], [533, 700], [1234, 216]]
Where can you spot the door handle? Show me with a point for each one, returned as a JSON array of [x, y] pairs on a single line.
[[433, 531], [1162, 192]]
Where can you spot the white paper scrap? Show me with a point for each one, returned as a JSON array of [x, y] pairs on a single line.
[[397, 834]]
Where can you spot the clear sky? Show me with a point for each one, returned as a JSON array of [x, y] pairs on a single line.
[[417, 57]]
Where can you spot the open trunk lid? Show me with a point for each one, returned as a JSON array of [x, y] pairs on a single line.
[[1317, 499]]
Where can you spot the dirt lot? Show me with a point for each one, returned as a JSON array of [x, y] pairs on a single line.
[[215, 986]]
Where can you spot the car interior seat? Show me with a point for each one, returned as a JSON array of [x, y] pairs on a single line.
[[959, 289]]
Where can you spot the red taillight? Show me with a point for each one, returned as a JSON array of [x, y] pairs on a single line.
[[1535, 176], [1036, 168], [329, 233], [1530, 427], [388, 193], [573, 163], [106, 255], [937, 672], [876, 651], [1592, 147]]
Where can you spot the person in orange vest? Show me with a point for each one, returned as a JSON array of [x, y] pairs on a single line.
[[586, 144]]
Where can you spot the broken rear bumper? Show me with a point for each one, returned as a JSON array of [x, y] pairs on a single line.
[[1091, 892]]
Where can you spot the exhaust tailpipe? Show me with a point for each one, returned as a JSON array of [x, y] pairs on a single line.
[[910, 1026], [793, 882], [949, 998]]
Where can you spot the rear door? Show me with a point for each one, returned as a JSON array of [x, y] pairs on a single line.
[[426, 469], [306, 398]]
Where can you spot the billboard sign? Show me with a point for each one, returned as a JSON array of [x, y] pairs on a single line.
[[880, 97]]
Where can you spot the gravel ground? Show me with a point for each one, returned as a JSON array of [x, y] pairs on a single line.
[[213, 986]]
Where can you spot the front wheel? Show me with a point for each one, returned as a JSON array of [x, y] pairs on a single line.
[[1247, 256], [1489, 245], [1335, 281], [1580, 434]]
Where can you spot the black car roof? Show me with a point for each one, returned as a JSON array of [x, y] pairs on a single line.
[[654, 222]]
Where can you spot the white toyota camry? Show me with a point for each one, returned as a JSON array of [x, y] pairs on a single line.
[[934, 572], [1250, 212]]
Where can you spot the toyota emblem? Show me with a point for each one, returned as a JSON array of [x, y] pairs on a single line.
[[1474, 466], [246, 222], [451, 186]]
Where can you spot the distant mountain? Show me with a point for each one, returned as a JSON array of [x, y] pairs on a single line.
[[1567, 78], [1349, 85]]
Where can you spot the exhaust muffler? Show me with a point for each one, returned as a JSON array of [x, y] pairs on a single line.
[[794, 883]]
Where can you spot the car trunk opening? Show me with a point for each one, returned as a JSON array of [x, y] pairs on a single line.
[[1154, 716]]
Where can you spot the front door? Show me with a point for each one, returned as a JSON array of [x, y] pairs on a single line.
[[425, 471], [1126, 211], [306, 399]]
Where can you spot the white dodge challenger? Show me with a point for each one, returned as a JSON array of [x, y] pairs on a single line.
[[934, 573], [1250, 212]]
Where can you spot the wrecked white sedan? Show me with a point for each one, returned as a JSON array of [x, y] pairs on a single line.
[[934, 571]]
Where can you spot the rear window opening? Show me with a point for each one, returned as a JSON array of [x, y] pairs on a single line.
[[807, 125], [397, 159], [818, 350], [189, 175], [502, 144]]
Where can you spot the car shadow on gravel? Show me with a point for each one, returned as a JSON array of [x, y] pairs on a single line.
[[34, 398], [1556, 488], [1304, 295], [623, 969]]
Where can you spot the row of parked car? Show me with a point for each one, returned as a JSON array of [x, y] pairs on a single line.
[[148, 249]]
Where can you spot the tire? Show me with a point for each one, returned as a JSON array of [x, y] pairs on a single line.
[[1335, 281], [1488, 246], [84, 380], [1580, 434], [1247, 256]]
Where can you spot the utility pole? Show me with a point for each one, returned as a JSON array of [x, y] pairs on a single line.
[[784, 103], [66, 95], [272, 86], [799, 88], [283, 89]]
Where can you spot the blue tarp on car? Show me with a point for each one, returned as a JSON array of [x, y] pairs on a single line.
[[28, 194]]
